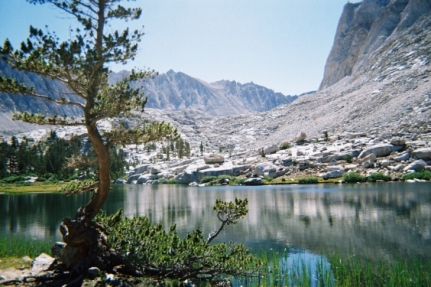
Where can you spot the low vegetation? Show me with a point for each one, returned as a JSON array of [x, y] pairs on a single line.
[[308, 180], [348, 158], [284, 146], [424, 175], [13, 248], [378, 176], [351, 271], [353, 177], [335, 270], [222, 180], [150, 250]]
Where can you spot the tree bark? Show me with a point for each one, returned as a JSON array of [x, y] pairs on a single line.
[[104, 161]]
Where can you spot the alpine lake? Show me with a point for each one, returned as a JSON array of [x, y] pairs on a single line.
[[373, 221]]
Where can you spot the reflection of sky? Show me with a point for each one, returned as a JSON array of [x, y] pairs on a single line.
[[295, 267], [376, 220]]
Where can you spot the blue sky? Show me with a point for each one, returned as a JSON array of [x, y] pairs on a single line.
[[279, 44]]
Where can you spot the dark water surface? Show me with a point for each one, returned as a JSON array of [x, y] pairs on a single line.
[[379, 221]]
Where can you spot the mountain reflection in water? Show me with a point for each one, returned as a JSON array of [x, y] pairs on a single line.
[[378, 221]]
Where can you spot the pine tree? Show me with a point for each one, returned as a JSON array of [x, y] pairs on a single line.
[[13, 162], [81, 64]]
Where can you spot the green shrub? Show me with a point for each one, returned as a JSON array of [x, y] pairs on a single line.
[[12, 179], [73, 177], [426, 174], [41, 179], [222, 178], [307, 180], [268, 178], [172, 181], [284, 145], [348, 158], [148, 246], [238, 180], [207, 179], [378, 176], [353, 177]]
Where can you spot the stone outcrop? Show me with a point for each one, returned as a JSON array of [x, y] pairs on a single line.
[[422, 153], [366, 154], [213, 158]]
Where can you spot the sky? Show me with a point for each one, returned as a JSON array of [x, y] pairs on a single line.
[[279, 44]]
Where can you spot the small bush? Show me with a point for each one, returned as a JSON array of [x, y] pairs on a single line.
[[426, 174], [172, 181], [348, 158], [239, 180], [308, 180], [222, 178], [207, 179], [12, 179], [378, 176], [268, 178], [353, 177], [73, 177], [284, 145]]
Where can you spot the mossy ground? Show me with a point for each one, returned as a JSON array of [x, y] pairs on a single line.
[[32, 187]]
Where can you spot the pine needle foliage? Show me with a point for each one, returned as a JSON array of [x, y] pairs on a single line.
[[81, 64], [162, 254]]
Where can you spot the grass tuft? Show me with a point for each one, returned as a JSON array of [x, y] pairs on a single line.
[[426, 174], [353, 177], [378, 176], [13, 248]]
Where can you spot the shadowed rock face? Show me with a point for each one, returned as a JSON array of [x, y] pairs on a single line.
[[364, 28]]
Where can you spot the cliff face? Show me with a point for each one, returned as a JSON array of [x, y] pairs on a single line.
[[363, 29]]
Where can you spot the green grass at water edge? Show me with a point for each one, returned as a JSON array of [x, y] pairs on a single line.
[[351, 271], [308, 180], [279, 271], [339, 271], [378, 176], [20, 246], [353, 177], [426, 174], [32, 187]]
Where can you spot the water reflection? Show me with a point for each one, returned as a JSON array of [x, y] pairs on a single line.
[[391, 220]]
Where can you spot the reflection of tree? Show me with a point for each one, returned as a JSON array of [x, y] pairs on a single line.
[[357, 219]]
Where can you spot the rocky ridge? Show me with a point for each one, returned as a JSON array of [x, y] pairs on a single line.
[[175, 90], [328, 158], [387, 91], [171, 91]]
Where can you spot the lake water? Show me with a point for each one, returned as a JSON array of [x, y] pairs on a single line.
[[379, 221]]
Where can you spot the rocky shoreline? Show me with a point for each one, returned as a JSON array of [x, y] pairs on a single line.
[[393, 155]]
